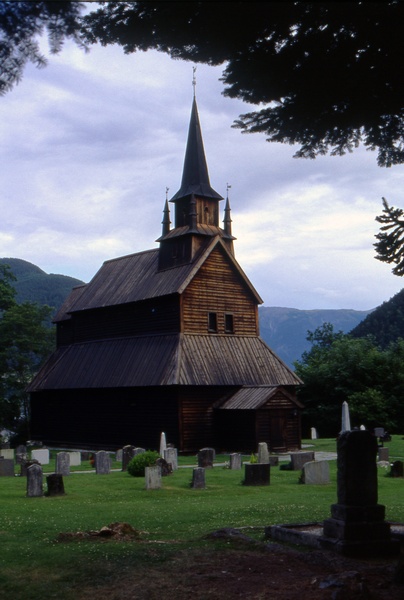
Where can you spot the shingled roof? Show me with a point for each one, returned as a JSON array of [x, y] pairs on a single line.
[[176, 359]]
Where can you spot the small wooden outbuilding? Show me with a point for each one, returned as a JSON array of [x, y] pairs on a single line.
[[168, 340]]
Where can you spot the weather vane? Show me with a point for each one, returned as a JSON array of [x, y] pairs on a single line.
[[228, 187], [194, 79], [167, 188]]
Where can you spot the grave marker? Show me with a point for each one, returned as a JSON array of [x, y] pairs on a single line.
[[206, 456], [6, 467], [41, 455], [102, 463], [171, 456], [62, 465], [198, 478], [235, 461], [316, 472], [34, 481], [55, 485], [299, 459], [263, 454], [256, 474], [153, 478]]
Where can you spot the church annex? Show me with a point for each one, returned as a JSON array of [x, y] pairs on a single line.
[[168, 340]]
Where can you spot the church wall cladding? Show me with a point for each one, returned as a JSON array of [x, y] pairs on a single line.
[[158, 315], [217, 288], [278, 423], [105, 418]]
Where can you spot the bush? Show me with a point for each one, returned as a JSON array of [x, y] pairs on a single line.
[[136, 467]]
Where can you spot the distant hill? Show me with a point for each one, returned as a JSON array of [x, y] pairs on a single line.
[[285, 329], [385, 323], [34, 285]]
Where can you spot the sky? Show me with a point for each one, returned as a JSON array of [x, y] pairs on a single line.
[[90, 143]]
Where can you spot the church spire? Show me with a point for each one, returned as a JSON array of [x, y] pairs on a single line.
[[195, 176]]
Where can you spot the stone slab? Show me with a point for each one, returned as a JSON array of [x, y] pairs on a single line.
[[41, 455], [75, 459], [316, 472], [299, 459], [6, 467]]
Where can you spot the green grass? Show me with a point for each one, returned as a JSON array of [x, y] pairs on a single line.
[[34, 564]]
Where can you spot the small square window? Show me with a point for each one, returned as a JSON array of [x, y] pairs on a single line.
[[212, 322], [228, 323]]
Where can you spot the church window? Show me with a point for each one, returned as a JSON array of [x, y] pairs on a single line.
[[212, 322], [228, 323]]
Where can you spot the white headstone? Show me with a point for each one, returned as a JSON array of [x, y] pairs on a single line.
[[75, 459], [235, 461], [7, 453], [171, 456], [345, 420], [263, 454], [41, 455], [313, 432], [163, 444]]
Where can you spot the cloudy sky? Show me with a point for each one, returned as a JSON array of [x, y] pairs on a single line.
[[90, 143]]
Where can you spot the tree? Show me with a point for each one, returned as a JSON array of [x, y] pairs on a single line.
[[390, 247], [371, 380], [25, 341], [22, 23], [327, 73]]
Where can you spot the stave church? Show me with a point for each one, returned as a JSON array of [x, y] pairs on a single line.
[[168, 340]]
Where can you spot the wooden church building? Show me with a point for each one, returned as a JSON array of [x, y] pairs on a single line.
[[168, 340]]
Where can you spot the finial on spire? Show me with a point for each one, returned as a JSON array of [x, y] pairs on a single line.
[[228, 187], [227, 210], [194, 80], [167, 190]]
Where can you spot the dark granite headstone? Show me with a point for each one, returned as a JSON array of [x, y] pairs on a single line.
[[299, 459], [55, 485], [198, 478], [397, 469], [357, 526], [34, 481], [206, 456], [256, 474], [6, 467]]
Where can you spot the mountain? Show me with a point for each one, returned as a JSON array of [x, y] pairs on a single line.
[[34, 285], [285, 329], [385, 323]]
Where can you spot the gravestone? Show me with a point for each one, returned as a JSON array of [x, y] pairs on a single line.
[[7, 453], [316, 472], [357, 526], [206, 456], [198, 478], [165, 467], [62, 464], [153, 478], [235, 461], [20, 454], [34, 481], [6, 467], [24, 466], [102, 463], [263, 454], [171, 456], [313, 433], [41, 455], [397, 469], [75, 459], [383, 454], [118, 455], [128, 452], [299, 459], [55, 484], [256, 474]]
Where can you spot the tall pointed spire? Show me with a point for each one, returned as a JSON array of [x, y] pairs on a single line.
[[195, 176]]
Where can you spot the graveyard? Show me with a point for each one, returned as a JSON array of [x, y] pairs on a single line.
[[208, 542]]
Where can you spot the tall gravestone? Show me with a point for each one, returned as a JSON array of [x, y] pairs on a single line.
[[102, 463], [34, 481], [357, 526], [206, 456], [171, 456], [263, 454], [62, 464]]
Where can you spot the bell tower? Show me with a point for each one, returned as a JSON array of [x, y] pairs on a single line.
[[196, 207]]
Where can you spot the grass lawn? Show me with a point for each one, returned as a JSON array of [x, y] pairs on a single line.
[[33, 564]]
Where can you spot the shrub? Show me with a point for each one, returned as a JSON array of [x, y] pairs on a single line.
[[136, 467]]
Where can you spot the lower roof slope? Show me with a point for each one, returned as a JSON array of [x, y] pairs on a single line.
[[176, 359]]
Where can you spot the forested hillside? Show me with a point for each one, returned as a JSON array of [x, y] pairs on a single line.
[[385, 324], [34, 285]]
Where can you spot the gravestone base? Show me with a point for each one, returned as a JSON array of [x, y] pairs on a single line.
[[361, 549]]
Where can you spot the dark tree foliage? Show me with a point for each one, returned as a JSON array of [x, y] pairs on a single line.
[[390, 245], [371, 380], [7, 292], [385, 324], [21, 25], [327, 74]]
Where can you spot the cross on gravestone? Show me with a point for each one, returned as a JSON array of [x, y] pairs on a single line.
[[206, 456], [153, 478], [171, 456], [34, 481], [235, 461], [263, 454], [198, 478], [102, 463], [62, 464]]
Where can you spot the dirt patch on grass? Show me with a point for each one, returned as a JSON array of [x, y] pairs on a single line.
[[253, 571]]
